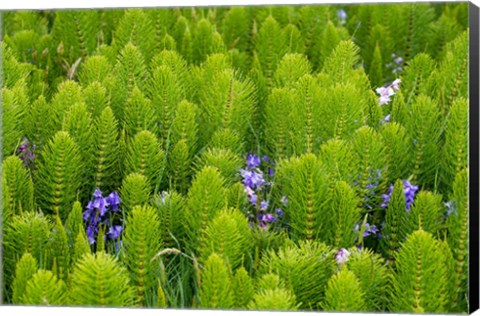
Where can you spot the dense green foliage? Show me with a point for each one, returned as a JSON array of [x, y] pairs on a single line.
[[310, 157]]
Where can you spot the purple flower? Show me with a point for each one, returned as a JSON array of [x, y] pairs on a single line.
[[266, 218], [86, 215], [253, 199], [253, 161], [387, 118], [384, 100], [98, 193], [269, 218], [271, 173], [101, 205], [342, 256], [395, 84], [370, 230], [265, 158], [91, 234], [279, 212], [89, 206], [252, 179], [396, 64], [398, 69], [115, 231], [409, 191], [249, 191], [113, 200], [22, 148], [95, 219], [386, 197], [95, 215], [263, 205], [386, 92], [342, 15], [26, 153]]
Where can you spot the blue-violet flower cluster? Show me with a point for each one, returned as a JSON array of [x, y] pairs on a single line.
[[373, 181], [368, 230], [26, 152], [408, 189], [395, 64], [99, 211], [387, 91], [342, 16], [341, 256], [255, 185]]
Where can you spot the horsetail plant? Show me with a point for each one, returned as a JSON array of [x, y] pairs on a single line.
[[140, 244], [100, 280]]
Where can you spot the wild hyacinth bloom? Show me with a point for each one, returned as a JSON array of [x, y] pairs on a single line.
[[115, 231], [26, 153], [101, 204], [255, 186], [264, 219], [96, 213], [371, 185], [279, 212], [114, 201], [386, 197], [368, 230], [91, 232], [395, 84], [269, 218], [253, 199], [409, 191], [252, 179], [395, 64], [342, 16], [342, 256], [387, 91], [253, 161], [249, 191], [263, 205]]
